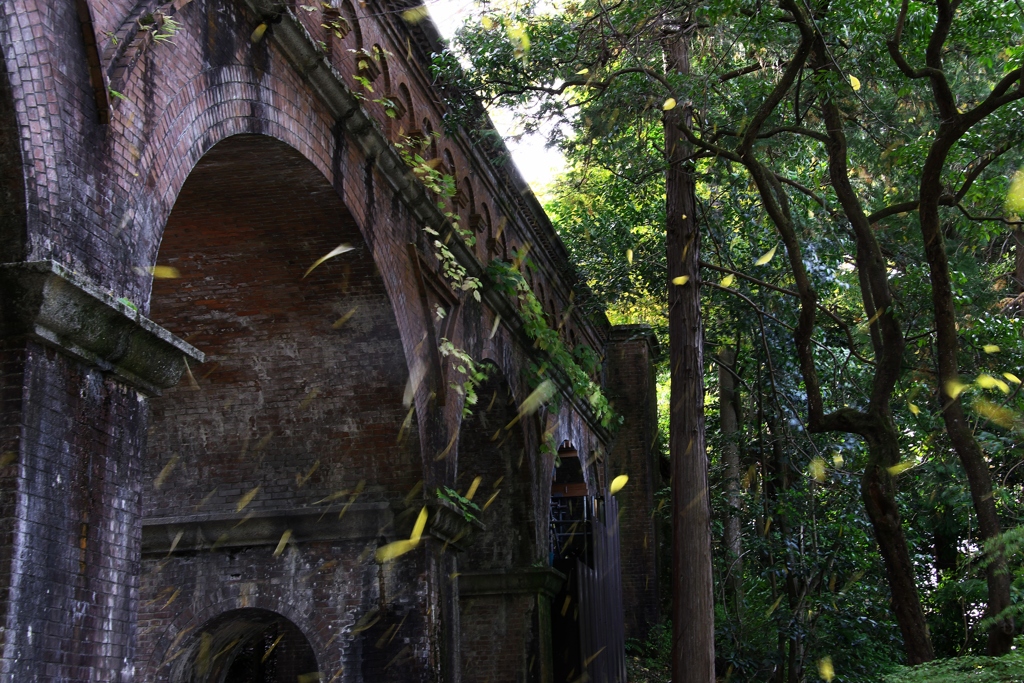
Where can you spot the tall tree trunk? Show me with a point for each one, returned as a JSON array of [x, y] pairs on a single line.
[[1000, 635], [729, 420], [693, 615], [878, 491]]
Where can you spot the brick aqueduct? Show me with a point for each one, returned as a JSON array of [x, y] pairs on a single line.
[[197, 471]]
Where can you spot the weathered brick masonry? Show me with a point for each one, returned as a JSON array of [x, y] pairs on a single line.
[[196, 472]]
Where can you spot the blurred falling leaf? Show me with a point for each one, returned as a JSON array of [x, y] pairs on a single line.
[[340, 249], [989, 382], [728, 280], [7, 458], [416, 14], [774, 606], [913, 409], [900, 467], [163, 272], [1012, 377], [283, 542], [336, 325], [768, 256], [583, 72], [537, 398], [681, 280], [999, 415], [990, 348], [390, 551], [246, 499], [473, 487], [629, 256], [817, 469], [257, 35], [165, 472], [490, 500], [670, 104], [520, 40], [837, 459], [955, 388], [855, 82], [825, 669], [487, 23], [617, 483], [1015, 197]]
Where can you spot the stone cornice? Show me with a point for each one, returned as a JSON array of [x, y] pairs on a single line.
[[165, 535], [42, 301], [545, 581]]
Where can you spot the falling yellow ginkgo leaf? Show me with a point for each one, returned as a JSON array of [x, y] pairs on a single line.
[[487, 23], [283, 542], [990, 348], [473, 487], [817, 469], [670, 103], [766, 257], [617, 483], [629, 256], [825, 668], [900, 467], [390, 551], [246, 499], [855, 82], [582, 72], [999, 415], [1015, 197], [415, 15], [163, 272], [681, 280], [914, 409], [728, 280], [955, 388], [989, 382], [257, 35], [1012, 377], [340, 249]]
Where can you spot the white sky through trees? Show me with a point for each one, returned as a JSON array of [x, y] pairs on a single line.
[[538, 165]]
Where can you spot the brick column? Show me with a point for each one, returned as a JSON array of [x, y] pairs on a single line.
[[630, 355], [76, 368]]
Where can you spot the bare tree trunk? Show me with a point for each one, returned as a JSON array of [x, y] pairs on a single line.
[[729, 420], [693, 615]]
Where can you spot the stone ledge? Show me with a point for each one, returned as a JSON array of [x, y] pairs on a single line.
[[545, 581], [45, 302], [166, 535]]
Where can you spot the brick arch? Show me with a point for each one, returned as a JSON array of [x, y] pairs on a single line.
[[209, 107], [244, 644]]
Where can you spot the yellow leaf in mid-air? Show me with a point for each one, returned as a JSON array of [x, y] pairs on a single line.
[[538, 397], [990, 348], [419, 526], [900, 467], [583, 72], [390, 551], [1012, 377], [617, 483], [837, 460], [728, 280], [990, 382], [768, 256], [670, 103], [415, 15], [629, 256], [473, 487], [817, 469], [164, 272], [681, 280], [955, 388], [999, 415], [246, 499], [855, 82], [487, 23], [825, 668], [1015, 197], [257, 35], [340, 249], [914, 409], [283, 542], [773, 607]]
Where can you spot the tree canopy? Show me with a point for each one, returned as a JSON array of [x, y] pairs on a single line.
[[859, 242]]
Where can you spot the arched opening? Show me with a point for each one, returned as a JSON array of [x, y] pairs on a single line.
[[281, 455], [246, 646]]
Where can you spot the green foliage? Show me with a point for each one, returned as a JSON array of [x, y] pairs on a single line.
[[1007, 669], [465, 506]]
